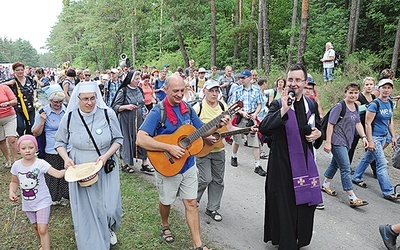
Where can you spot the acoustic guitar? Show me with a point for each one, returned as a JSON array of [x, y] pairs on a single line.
[[187, 137], [219, 135]]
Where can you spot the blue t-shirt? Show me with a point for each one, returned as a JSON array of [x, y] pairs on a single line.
[[159, 84], [343, 131], [152, 120], [382, 118]]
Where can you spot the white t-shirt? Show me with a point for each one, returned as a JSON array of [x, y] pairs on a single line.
[[328, 53], [34, 191]]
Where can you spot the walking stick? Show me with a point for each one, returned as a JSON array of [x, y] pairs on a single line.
[[136, 131]]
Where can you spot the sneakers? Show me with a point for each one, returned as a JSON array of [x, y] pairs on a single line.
[[234, 162], [388, 236], [264, 155], [55, 203], [64, 202], [258, 170], [321, 206], [113, 238]]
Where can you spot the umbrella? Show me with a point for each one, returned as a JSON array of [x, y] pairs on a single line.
[[23, 105]]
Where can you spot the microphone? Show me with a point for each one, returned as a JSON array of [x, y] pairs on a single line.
[[291, 94]]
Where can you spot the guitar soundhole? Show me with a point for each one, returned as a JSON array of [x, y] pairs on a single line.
[[184, 143]]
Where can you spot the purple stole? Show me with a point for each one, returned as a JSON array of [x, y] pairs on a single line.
[[305, 176]]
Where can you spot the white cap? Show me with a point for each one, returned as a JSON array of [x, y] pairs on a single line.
[[209, 84], [202, 70], [385, 81]]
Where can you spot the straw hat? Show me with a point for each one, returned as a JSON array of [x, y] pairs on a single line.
[[85, 174]]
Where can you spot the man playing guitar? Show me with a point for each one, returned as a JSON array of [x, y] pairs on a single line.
[[185, 183]]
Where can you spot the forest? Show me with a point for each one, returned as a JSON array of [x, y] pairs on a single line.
[[256, 34]]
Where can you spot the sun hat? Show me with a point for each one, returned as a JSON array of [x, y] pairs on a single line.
[[385, 81], [85, 174]]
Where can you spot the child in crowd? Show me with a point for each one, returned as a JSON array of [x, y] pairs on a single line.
[[28, 173]]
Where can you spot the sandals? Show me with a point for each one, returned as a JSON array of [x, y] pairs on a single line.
[[214, 215], [125, 168], [200, 247], [357, 203], [167, 237], [360, 183], [328, 190], [392, 197], [8, 164], [147, 168]]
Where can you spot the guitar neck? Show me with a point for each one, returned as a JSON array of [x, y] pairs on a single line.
[[235, 132], [201, 131]]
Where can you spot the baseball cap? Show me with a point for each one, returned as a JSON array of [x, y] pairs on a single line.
[[385, 81], [310, 81], [245, 73], [166, 65], [202, 70], [209, 84], [115, 71]]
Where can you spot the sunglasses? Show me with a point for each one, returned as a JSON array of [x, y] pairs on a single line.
[[87, 75]]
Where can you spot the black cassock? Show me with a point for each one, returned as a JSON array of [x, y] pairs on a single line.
[[286, 224]]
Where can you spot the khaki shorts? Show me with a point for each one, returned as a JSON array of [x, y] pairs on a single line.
[[8, 127], [252, 139], [181, 185]]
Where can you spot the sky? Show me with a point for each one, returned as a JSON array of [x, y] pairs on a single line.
[[29, 20]]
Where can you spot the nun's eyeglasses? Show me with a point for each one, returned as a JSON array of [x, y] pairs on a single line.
[[87, 99]]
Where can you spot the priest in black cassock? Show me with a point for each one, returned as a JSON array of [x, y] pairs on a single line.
[[292, 186]]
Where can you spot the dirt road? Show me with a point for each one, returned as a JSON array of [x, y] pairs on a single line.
[[336, 227]]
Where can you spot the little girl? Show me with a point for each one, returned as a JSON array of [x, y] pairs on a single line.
[[28, 173]]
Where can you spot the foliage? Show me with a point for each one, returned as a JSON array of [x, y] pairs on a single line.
[[93, 33]]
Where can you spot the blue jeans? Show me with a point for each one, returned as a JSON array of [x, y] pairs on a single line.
[[340, 160], [328, 74], [381, 166], [23, 126]]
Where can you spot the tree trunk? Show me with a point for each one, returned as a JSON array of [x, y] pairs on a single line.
[[235, 46], [251, 36], [395, 58], [303, 32], [350, 32], [291, 42], [213, 61], [267, 52], [260, 35], [180, 40], [133, 61], [356, 25]]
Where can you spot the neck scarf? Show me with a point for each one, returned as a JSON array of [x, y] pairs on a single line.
[[305, 176], [170, 112]]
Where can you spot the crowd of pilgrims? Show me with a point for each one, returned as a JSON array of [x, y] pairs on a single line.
[[47, 93]]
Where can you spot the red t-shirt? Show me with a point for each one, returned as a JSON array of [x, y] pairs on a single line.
[[6, 95]]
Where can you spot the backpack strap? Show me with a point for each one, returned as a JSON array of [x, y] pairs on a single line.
[[163, 114], [68, 122], [275, 92]]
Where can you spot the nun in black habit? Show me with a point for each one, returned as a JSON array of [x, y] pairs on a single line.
[[292, 186]]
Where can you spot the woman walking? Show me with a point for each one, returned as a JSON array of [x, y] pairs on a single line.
[[47, 121], [339, 136], [129, 104]]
